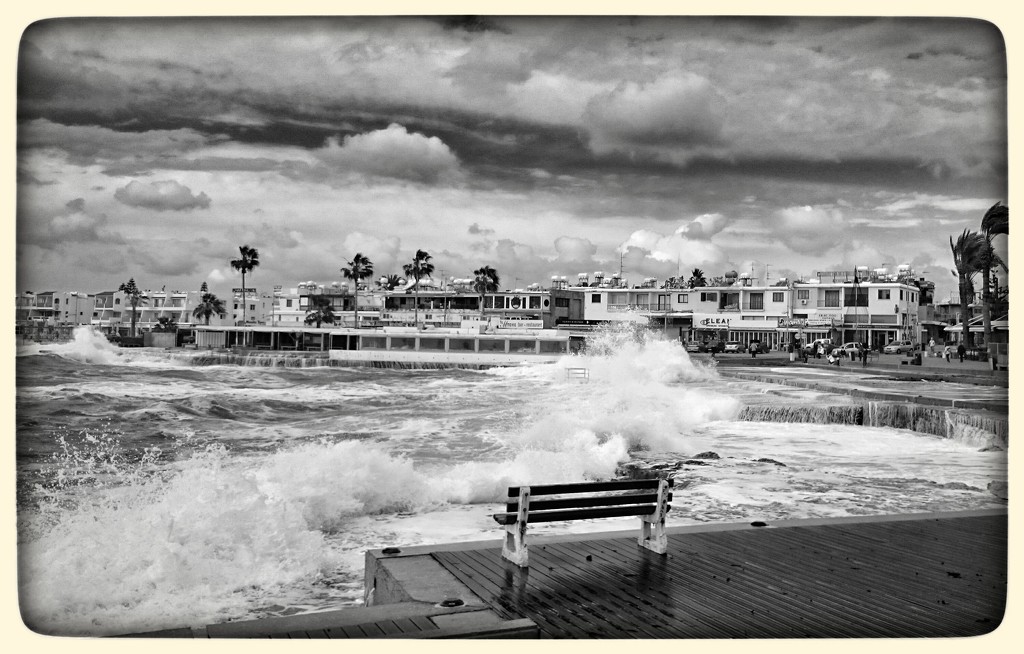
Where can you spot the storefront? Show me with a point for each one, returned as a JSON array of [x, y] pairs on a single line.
[[745, 329]]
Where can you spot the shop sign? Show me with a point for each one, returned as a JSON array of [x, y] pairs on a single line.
[[825, 318], [711, 321], [520, 324], [793, 322]]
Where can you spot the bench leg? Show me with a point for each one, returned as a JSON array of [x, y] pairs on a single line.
[[514, 547], [652, 527], [652, 535]]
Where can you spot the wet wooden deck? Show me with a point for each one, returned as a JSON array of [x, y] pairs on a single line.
[[921, 577]]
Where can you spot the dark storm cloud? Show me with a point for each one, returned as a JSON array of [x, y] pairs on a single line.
[[74, 224]]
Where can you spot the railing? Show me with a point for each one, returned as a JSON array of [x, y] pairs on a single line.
[[577, 374]]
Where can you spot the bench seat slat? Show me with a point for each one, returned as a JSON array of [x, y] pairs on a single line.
[[577, 514], [583, 501], [590, 487]]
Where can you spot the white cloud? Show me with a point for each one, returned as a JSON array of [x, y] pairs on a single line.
[[810, 230], [942, 202], [382, 251], [161, 196], [392, 152], [216, 277], [571, 249], [704, 226], [675, 248]]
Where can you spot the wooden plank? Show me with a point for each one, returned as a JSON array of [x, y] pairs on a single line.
[[666, 591], [925, 566], [389, 628], [589, 487], [603, 607], [508, 597], [862, 613], [752, 598], [576, 514], [585, 501], [885, 601], [628, 603], [551, 615]]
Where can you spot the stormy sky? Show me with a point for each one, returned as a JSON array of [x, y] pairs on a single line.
[[152, 148]]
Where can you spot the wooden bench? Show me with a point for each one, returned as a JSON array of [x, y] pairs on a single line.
[[647, 498]]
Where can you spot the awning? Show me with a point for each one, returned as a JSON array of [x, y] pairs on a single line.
[[978, 327]]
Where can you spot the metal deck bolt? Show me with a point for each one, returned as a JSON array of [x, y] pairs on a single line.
[[449, 602]]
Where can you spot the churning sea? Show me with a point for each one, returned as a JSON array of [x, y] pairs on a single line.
[[154, 493]]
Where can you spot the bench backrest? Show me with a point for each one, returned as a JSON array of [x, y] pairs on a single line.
[[604, 499]]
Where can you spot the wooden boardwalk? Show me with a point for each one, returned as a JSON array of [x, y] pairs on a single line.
[[913, 577]]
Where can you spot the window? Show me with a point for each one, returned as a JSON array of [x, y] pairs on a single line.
[[778, 297], [562, 302], [683, 298], [709, 297], [252, 307], [855, 297], [804, 294], [288, 303], [757, 301], [595, 298], [534, 301], [901, 293], [883, 294], [832, 298]]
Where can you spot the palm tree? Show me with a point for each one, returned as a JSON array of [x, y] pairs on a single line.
[[968, 258], [419, 267], [247, 262], [166, 324], [996, 221], [320, 311], [208, 306], [697, 279], [134, 297], [486, 281], [391, 282], [358, 269]]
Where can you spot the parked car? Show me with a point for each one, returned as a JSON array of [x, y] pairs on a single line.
[[899, 347], [695, 346], [733, 347], [813, 345], [850, 349]]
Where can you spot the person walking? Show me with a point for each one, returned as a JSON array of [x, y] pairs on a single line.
[[961, 351], [820, 351], [931, 347], [864, 355], [947, 353]]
